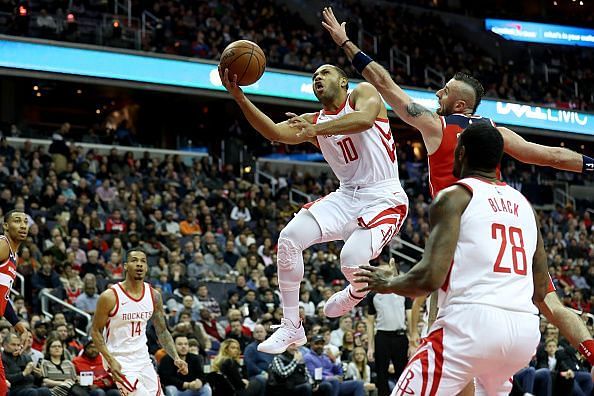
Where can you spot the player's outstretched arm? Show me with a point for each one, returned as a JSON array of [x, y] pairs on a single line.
[[105, 304], [532, 153], [163, 333], [277, 132], [431, 272], [540, 269], [410, 112]]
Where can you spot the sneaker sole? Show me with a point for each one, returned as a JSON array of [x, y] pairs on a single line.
[[280, 349]]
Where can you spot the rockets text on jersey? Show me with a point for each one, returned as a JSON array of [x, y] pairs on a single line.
[[125, 331]]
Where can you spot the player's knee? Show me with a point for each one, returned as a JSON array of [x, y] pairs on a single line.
[[287, 254], [354, 256]]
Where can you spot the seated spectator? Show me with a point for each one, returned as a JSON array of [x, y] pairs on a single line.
[[556, 361], [191, 384], [58, 373], [289, 376], [80, 257], [93, 266], [115, 224], [358, 369], [346, 323], [88, 300], [40, 330], [91, 361], [308, 306], [257, 362], [236, 332], [211, 326], [220, 269], [20, 371], [35, 355], [241, 212], [191, 225], [198, 269], [61, 331], [46, 277], [227, 363], [106, 194], [348, 346], [205, 301], [230, 254], [331, 372], [188, 306], [71, 282], [115, 268]]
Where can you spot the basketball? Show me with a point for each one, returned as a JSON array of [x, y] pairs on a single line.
[[244, 58]]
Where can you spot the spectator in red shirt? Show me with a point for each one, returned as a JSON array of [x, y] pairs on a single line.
[[39, 335], [90, 361], [115, 224]]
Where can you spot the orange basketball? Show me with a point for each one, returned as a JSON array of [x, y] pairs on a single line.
[[244, 58]]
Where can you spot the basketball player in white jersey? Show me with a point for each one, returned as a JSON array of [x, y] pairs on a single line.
[[353, 133], [119, 330], [485, 255]]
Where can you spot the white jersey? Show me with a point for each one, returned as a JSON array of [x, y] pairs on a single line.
[[359, 159], [125, 331], [493, 260]]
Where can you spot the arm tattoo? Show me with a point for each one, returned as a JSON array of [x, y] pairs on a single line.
[[163, 333], [417, 110]]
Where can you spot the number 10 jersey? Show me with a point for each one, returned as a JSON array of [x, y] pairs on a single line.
[[359, 159]]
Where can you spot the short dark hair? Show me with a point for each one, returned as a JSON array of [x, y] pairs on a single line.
[[342, 74], [10, 213], [136, 249], [483, 145], [476, 85]]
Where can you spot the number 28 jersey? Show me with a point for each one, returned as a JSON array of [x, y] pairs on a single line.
[[493, 259], [125, 331], [359, 159]]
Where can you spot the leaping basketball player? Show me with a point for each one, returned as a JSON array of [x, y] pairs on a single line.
[[367, 210], [458, 101], [119, 330]]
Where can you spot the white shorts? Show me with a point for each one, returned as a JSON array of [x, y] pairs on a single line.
[[140, 381], [471, 341], [381, 208]]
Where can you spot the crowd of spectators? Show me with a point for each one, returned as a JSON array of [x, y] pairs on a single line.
[[210, 239], [203, 29]]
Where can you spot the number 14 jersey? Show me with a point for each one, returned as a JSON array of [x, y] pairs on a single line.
[[359, 159], [125, 331], [493, 259]]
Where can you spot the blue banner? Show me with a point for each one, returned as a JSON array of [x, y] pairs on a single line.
[[204, 75], [541, 32]]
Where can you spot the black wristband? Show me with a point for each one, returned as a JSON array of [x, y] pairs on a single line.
[[588, 164], [360, 61], [344, 43], [9, 314]]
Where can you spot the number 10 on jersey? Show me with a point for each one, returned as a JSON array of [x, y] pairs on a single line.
[[348, 150]]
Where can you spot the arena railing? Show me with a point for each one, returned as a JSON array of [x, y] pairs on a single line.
[[45, 297], [105, 149], [21, 291]]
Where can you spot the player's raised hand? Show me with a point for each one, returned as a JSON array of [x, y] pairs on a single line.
[[304, 128], [377, 279], [230, 83], [337, 30], [182, 366]]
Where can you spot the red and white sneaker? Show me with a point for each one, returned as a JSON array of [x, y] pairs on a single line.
[[341, 303], [285, 335]]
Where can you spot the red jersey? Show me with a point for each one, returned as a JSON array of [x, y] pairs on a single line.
[[441, 162], [7, 275]]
